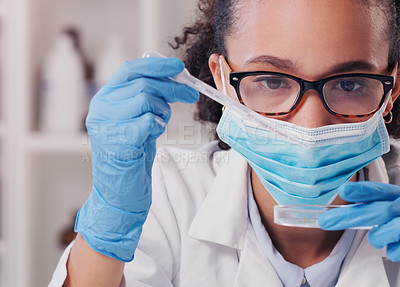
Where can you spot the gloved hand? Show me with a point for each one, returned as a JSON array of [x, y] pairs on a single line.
[[125, 118], [378, 204]]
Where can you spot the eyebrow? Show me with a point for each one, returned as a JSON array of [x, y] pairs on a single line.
[[290, 66], [353, 66], [274, 61]]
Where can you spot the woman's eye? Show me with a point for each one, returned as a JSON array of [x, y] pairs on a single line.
[[348, 86], [273, 83]]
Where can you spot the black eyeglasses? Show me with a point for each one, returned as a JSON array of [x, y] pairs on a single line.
[[348, 95]]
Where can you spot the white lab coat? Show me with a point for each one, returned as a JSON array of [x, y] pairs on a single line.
[[198, 232]]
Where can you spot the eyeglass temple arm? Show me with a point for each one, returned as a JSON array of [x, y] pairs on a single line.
[[186, 78]]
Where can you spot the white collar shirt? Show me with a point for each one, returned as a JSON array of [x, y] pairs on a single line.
[[322, 274]]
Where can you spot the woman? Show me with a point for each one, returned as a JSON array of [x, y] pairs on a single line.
[[322, 68]]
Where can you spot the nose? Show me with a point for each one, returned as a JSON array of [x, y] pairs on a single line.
[[311, 113]]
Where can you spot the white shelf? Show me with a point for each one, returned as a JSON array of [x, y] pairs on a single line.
[[47, 144]]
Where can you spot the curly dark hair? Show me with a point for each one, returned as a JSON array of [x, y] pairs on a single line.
[[214, 20]]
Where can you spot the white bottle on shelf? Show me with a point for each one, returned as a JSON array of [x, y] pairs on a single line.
[[63, 88], [109, 60]]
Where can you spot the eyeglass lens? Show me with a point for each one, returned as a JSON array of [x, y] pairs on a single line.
[[278, 94]]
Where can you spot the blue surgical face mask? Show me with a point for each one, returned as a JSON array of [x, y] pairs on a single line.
[[310, 170], [300, 165]]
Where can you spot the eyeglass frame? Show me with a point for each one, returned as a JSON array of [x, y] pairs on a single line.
[[387, 82]]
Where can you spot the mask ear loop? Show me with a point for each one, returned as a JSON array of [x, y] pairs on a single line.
[[224, 90], [394, 73]]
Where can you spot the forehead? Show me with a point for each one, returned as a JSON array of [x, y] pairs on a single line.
[[312, 34]]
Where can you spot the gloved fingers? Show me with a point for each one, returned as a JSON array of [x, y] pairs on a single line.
[[357, 215], [367, 191], [126, 136], [147, 127], [385, 234], [150, 155], [104, 110], [146, 67], [149, 103], [165, 88], [393, 251]]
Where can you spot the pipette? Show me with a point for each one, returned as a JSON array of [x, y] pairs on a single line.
[[303, 217], [186, 78]]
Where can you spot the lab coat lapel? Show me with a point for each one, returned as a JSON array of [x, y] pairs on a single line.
[[223, 217], [228, 224], [377, 171], [363, 265], [254, 269]]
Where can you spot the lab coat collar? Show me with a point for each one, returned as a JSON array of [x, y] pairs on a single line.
[[377, 172], [363, 265], [255, 269], [226, 223]]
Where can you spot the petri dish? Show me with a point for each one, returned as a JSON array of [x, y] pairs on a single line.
[[300, 215], [304, 215]]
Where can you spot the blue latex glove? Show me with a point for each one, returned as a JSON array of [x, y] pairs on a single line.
[[125, 118], [379, 205]]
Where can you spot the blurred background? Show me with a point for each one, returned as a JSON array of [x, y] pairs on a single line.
[[54, 56]]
